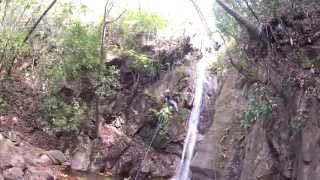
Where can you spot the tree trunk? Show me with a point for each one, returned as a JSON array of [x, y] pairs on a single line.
[[252, 29], [102, 58], [202, 18]]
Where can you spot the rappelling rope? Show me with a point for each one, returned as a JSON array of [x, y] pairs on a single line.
[[148, 149]]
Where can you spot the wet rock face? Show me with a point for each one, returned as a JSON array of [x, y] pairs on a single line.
[[287, 147], [208, 103], [216, 153]]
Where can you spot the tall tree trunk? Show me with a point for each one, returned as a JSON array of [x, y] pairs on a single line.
[[202, 18], [102, 58], [251, 28]]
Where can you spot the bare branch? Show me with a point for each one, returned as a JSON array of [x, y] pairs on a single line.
[[251, 10], [39, 20], [5, 12], [202, 18], [117, 18]]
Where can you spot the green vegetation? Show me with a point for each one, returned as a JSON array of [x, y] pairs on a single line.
[[75, 64], [223, 57], [137, 26], [163, 117], [141, 60], [66, 54], [229, 28], [261, 106], [297, 123], [60, 116]]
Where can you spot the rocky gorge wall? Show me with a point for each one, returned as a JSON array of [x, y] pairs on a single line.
[[285, 146], [128, 123]]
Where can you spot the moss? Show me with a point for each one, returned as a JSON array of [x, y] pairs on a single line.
[[304, 61], [181, 71], [183, 114], [298, 123], [218, 65], [261, 106]]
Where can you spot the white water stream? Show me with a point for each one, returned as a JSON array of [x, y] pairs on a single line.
[[191, 138]]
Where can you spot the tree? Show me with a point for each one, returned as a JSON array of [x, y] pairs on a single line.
[[253, 30], [39, 20], [103, 36], [202, 18], [16, 16]]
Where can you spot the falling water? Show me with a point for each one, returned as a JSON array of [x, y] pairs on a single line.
[[190, 141]]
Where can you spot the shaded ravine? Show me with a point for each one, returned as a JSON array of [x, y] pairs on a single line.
[[191, 138]]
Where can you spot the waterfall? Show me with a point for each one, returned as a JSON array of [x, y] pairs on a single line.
[[191, 138]]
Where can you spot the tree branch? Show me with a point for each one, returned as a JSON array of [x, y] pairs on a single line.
[[252, 29], [39, 20], [202, 18], [251, 10], [102, 57], [117, 18]]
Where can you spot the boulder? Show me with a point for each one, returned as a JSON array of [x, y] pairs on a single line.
[[107, 149], [56, 156], [153, 165], [44, 159], [215, 152], [13, 174], [81, 159], [23, 162], [39, 173]]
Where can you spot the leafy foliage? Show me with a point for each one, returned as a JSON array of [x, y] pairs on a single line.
[[11, 45], [225, 23], [65, 52], [137, 25], [261, 106], [79, 56], [140, 60], [143, 22], [217, 66], [75, 64], [15, 17], [60, 116], [297, 123], [229, 28], [163, 116]]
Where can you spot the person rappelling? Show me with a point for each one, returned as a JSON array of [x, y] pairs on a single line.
[[169, 100]]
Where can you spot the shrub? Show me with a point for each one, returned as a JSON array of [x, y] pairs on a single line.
[[11, 45], [261, 106], [59, 116], [137, 25], [142, 62], [163, 117], [78, 56], [297, 123], [217, 67], [75, 64]]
